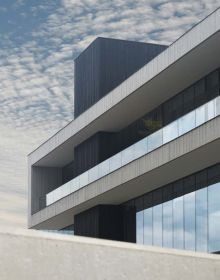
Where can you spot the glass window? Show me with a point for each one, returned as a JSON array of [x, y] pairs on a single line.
[[213, 174], [148, 226], [168, 224], [167, 112], [157, 225], [177, 106], [155, 140], [115, 162], [212, 84], [127, 155], [170, 132], [186, 123], [173, 108], [186, 214], [178, 223], [214, 217], [140, 148], [201, 220], [140, 227], [189, 221], [200, 93], [188, 100]]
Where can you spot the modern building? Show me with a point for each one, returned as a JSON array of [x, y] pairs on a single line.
[[140, 162]]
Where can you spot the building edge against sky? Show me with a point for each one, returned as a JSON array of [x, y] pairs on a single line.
[[139, 162]]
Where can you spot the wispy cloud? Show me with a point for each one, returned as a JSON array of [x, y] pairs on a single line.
[[36, 68]]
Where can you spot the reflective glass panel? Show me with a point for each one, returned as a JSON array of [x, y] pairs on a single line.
[[140, 148], [168, 224], [61, 192], [148, 226], [178, 223], [200, 115], [157, 225], [214, 217], [217, 106], [189, 221], [74, 184], [65, 189], [186, 123], [115, 162], [127, 155], [93, 174], [155, 140], [58, 193], [170, 132], [103, 168], [140, 227], [83, 179], [201, 220], [55, 198], [210, 110], [49, 198]]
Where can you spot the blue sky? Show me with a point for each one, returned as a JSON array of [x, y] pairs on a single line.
[[38, 42]]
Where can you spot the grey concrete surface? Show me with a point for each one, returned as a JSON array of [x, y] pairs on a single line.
[[30, 254]]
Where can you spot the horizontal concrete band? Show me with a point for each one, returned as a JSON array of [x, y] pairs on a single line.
[[174, 52], [164, 165], [28, 254]]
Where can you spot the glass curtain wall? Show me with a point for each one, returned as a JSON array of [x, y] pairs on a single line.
[[182, 215]]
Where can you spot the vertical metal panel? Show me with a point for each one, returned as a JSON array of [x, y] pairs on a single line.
[[43, 180], [104, 65], [93, 151], [107, 221]]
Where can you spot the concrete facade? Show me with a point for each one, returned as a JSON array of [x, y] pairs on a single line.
[[54, 256]]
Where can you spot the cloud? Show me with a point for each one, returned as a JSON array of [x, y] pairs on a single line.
[[36, 66]]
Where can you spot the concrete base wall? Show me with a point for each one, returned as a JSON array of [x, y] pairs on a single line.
[[28, 254]]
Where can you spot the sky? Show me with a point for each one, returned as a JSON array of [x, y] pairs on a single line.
[[39, 40]]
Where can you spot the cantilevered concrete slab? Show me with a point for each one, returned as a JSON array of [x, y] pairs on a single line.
[[160, 167], [163, 77]]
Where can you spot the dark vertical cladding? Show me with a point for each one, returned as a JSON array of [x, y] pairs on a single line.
[[87, 78], [44, 180], [68, 172], [93, 151], [107, 221], [104, 65]]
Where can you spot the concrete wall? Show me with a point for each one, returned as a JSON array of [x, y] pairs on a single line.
[[35, 255]]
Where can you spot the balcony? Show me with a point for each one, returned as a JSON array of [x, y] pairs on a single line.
[[166, 134]]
